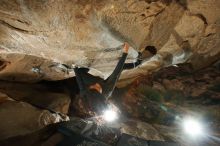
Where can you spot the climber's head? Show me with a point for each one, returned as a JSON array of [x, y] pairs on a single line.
[[96, 87], [151, 49], [148, 52]]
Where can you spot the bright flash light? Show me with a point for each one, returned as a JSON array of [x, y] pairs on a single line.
[[192, 127], [110, 115]]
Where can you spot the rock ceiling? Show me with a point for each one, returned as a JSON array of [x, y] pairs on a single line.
[[37, 37]]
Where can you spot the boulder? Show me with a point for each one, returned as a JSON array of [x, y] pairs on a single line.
[[141, 130], [43, 96], [20, 118]]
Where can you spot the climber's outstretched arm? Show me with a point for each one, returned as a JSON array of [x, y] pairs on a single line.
[[113, 78]]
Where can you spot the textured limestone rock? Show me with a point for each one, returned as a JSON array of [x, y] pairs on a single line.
[[170, 95], [182, 35], [171, 91], [36, 37], [141, 129], [19, 118], [41, 95], [4, 97], [27, 108], [176, 134], [35, 138]]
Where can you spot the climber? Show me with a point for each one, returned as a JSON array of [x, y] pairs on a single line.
[[94, 91]]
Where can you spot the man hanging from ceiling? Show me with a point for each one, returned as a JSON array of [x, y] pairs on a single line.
[[95, 91]]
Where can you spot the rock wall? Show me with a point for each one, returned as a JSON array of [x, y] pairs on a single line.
[[37, 37], [26, 108], [151, 108], [169, 95]]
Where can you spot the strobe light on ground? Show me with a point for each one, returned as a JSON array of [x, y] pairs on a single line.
[[192, 127], [110, 115]]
